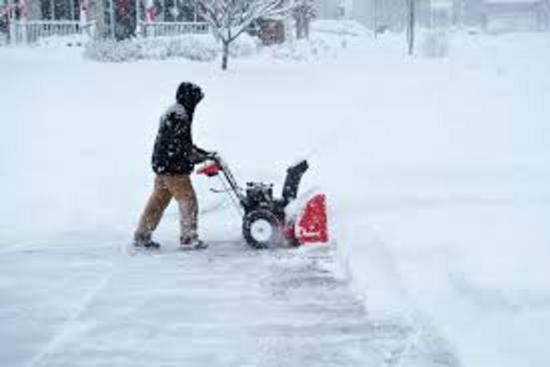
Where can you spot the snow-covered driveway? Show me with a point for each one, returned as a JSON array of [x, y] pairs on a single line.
[[86, 305]]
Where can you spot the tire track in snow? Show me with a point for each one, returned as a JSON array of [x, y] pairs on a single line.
[[71, 328]]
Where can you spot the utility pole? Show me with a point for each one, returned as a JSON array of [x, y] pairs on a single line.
[[411, 20], [375, 20], [112, 18]]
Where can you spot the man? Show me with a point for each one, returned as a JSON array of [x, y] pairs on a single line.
[[174, 158]]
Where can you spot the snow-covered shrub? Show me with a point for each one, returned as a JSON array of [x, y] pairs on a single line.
[[112, 51], [244, 46], [306, 50], [435, 44], [340, 27], [191, 47], [328, 39], [196, 48]]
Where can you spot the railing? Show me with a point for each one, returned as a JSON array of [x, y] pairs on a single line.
[[31, 31], [159, 29]]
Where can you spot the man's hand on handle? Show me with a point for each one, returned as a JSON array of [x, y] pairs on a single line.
[[201, 155]]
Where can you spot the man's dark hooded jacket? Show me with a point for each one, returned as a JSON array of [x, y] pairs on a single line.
[[174, 152]]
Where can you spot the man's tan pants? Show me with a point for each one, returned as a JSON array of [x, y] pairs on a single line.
[[167, 187]]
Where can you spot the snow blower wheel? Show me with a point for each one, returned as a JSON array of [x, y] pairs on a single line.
[[262, 229]]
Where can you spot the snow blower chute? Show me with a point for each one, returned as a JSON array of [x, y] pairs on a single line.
[[273, 222]]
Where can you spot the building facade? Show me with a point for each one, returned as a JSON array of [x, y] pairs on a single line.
[[112, 18], [519, 15], [378, 13], [482, 14]]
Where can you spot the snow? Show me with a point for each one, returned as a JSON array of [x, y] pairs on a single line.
[[437, 172], [512, 1], [340, 27], [452, 211]]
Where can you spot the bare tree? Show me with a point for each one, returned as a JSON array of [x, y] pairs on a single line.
[[230, 18]]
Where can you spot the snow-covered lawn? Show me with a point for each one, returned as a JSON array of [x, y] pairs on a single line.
[[437, 172]]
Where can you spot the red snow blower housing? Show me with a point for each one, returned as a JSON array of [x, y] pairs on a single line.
[[273, 222]]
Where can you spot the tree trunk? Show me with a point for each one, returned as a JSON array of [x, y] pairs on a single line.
[[299, 29], [225, 55]]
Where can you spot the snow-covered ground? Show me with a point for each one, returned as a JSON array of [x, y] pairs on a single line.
[[437, 172]]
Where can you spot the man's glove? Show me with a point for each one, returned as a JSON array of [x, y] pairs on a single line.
[[200, 155]]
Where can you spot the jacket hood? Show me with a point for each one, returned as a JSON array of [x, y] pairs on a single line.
[[189, 95]]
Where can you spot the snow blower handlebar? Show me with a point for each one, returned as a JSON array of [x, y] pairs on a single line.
[[290, 187], [217, 165]]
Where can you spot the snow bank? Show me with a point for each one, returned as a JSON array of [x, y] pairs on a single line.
[[444, 212], [328, 40], [316, 48], [340, 27]]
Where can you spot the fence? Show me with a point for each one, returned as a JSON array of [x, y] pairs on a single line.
[[159, 29], [32, 30]]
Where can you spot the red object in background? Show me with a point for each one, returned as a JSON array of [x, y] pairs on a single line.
[[210, 170], [312, 224], [23, 9], [272, 32], [124, 8], [150, 14], [84, 4]]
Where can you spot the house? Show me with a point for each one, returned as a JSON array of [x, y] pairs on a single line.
[[118, 19], [505, 15], [121, 18], [334, 9], [43, 9], [25, 20], [388, 14], [515, 15], [492, 15]]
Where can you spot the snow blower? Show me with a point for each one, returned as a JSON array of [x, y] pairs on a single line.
[[274, 222]]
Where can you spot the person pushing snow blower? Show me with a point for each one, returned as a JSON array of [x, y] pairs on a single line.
[[173, 161]]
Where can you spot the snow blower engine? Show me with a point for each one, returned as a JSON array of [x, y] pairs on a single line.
[[274, 222]]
